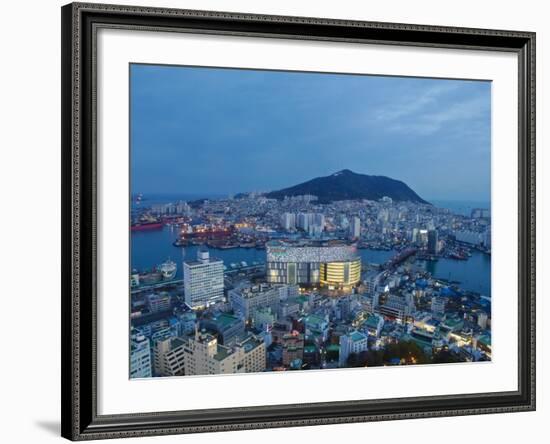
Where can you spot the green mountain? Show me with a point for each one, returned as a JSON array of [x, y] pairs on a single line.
[[347, 185]]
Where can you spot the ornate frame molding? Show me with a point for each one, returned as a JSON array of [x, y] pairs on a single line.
[[80, 22]]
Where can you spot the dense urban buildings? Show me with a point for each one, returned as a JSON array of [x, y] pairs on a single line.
[[255, 248], [332, 285]]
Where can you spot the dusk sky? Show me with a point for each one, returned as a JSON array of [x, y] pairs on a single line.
[[210, 131]]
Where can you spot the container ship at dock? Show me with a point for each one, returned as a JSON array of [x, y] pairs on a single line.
[[146, 223]]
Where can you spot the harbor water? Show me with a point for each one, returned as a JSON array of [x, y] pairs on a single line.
[[151, 248]]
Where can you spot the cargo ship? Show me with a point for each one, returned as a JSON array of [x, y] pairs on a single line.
[[146, 223], [168, 270]]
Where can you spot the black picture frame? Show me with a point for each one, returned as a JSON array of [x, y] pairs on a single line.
[[80, 420]]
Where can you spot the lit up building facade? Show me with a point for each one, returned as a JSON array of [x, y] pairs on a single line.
[[332, 265], [340, 274]]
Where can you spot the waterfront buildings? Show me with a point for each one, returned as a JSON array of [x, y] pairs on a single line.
[[469, 237], [433, 242], [140, 357], [203, 280], [313, 297], [288, 221]]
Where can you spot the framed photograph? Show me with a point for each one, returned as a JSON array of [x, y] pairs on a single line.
[[280, 221]]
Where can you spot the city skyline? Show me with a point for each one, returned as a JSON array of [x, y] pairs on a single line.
[[195, 130]]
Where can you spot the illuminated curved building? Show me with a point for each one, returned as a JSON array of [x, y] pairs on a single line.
[[340, 274], [335, 265]]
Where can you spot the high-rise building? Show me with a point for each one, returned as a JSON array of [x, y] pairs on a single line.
[[302, 221], [140, 357], [354, 342], [433, 242], [312, 223], [355, 228], [169, 356], [182, 207], [288, 221], [203, 280], [372, 281], [422, 237], [205, 356]]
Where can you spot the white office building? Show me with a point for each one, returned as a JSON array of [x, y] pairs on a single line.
[[355, 228], [203, 280], [355, 342], [288, 221]]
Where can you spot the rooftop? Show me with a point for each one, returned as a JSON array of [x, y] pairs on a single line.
[[212, 260], [315, 319], [357, 336], [373, 321], [225, 319], [222, 353]]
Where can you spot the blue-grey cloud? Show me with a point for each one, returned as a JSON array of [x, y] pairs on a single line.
[[206, 130]]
